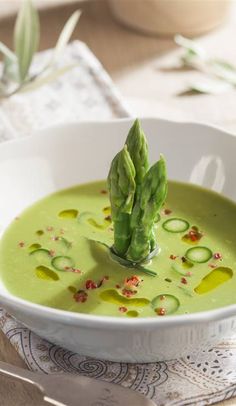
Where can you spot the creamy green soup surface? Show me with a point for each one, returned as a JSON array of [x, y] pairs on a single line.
[[49, 255]]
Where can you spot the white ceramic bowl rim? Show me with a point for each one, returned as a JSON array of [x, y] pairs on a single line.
[[109, 322]]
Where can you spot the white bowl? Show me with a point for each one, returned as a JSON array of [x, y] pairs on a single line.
[[57, 158]]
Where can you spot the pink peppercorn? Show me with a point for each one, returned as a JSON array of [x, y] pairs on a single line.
[[80, 296], [217, 255], [49, 228], [167, 211], [128, 293], [123, 309], [89, 284], [161, 311]]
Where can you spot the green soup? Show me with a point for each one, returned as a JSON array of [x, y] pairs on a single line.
[[49, 255]]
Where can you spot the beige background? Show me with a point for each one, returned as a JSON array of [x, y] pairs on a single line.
[[145, 69]]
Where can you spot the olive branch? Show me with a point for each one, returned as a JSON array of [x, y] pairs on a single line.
[[16, 75]]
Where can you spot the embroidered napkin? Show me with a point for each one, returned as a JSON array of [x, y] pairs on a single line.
[[85, 91]]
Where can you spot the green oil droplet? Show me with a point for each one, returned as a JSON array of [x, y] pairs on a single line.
[[39, 232], [187, 264], [214, 279], [132, 313], [72, 289], [45, 273], [107, 210], [112, 296], [68, 214], [34, 247], [95, 224], [168, 302]]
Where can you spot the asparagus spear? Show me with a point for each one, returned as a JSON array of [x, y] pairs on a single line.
[[136, 196], [138, 150], [121, 186], [152, 195]]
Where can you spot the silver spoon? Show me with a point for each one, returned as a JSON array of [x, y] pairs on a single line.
[[76, 390]]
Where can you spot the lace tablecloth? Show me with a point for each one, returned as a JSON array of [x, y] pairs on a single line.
[[86, 92]]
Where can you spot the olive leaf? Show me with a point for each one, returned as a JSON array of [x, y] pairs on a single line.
[[7, 52], [26, 37], [224, 64], [10, 70], [219, 75], [224, 70], [210, 86], [65, 35], [39, 81], [192, 48]]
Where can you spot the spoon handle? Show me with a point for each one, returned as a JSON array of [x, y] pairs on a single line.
[[16, 372], [68, 389]]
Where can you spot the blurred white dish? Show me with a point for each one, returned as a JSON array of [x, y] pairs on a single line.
[[60, 157]]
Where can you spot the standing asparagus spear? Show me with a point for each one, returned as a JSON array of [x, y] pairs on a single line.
[[121, 186], [138, 150], [152, 195], [136, 196]]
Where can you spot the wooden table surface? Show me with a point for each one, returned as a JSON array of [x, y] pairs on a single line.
[[135, 63]]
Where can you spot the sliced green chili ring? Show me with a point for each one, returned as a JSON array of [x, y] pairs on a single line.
[[199, 254], [182, 267], [62, 263], [179, 269], [167, 302], [41, 254], [175, 225]]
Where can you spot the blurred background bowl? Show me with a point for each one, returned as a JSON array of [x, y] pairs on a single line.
[[168, 17]]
